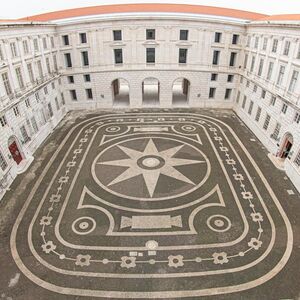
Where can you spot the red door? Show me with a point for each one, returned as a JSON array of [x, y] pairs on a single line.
[[14, 150]]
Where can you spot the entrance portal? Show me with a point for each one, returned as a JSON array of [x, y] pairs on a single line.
[[120, 91], [150, 88], [180, 91], [286, 146], [14, 150]]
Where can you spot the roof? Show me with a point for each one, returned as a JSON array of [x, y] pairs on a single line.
[[291, 17], [142, 8]]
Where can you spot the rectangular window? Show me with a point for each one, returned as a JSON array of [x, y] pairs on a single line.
[[245, 61], [267, 122], [53, 85], [284, 108], [218, 37], [25, 47], [13, 49], [16, 111], [270, 70], [83, 38], [280, 75], [182, 56], [1, 54], [286, 49], [48, 65], [24, 134], [244, 102], [56, 104], [30, 72], [3, 121], [212, 92], [65, 39], [34, 125], [254, 88], [70, 79], [55, 62], [248, 41], [230, 78], [297, 159], [260, 67], [252, 64], [40, 69], [183, 35], [232, 59], [214, 77], [118, 56], [297, 118], [263, 94], [238, 97], [235, 39], [89, 94], [293, 81], [258, 113], [216, 55], [275, 134], [45, 43], [6, 84], [36, 45], [52, 42], [227, 94], [27, 103], [117, 34], [20, 77], [256, 42], [273, 101], [85, 58], [50, 110], [3, 163], [45, 90], [150, 34], [275, 45], [73, 95], [68, 60], [265, 44], [298, 54], [87, 77], [250, 108], [150, 54]]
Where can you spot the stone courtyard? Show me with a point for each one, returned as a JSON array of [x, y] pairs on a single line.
[[151, 205]]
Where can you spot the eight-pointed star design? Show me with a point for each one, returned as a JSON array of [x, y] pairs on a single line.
[[151, 163]]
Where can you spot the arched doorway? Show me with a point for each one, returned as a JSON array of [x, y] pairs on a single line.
[[180, 92], [286, 145], [120, 92], [15, 149], [150, 89]]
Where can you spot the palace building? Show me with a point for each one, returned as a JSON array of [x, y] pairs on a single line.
[[150, 56]]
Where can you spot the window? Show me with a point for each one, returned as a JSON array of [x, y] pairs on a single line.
[[20, 77], [53, 85], [118, 56], [263, 94], [214, 77], [3, 121], [256, 42], [40, 68], [65, 39], [1, 53], [286, 49], [267, 122], [183, 35], [293, 81], [25, 47], [83, 38], [117, 34], [34, 125], [212, 92], [218, 37], [260, 67], [216, 55], [87, 77], [250, 107], [30, 72], [232, 59], [247, 83], [245, 61], [244, 102], [258, 113], [182, 56], [3, 163], [298, 54], [270, 70], [45, 43], [89, 94], [273, 101], [37, 96], [280, 75], [55, 62], [235, 39], [50, 110], [73, 95], [56, 104], [48, 65], [70, 79], [6, 83], [252, 64], [297, 118], [254, 88], [85, 58], [265, 44], [36, 45], [248, 41], [27, 103], [227, 93], [62, 98], [230, 78], [68, 60], [45, 90], [284, 108], [238, 97], [52, 42], [16, 111], [150, 34], [297, 159], [275, 134], [13, 49], [275, 45], [150, 53]]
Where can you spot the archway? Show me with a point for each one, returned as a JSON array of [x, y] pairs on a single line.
[[15, 149], [120, 92], [180, 92], [286, 145], [150, 90]]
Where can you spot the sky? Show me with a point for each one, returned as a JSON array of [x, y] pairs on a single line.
[[21, 8]]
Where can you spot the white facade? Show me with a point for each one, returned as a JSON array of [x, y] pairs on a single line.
[[184, 49]]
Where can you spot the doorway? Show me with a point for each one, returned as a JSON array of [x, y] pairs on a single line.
[[180, 92], [286, 146], [120, 92], [15, 151], [150, 90]]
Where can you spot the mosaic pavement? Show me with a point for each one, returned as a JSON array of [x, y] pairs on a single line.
[[131, 205]]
